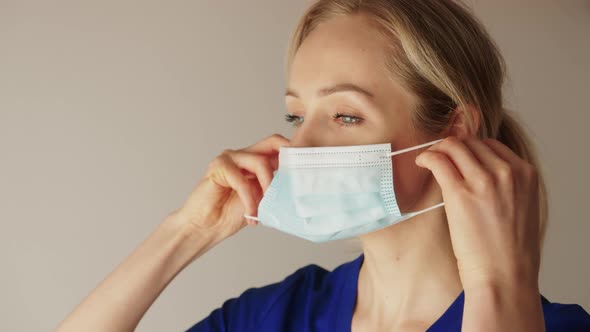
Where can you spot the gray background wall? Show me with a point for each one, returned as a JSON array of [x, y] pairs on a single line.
[[110, 111]]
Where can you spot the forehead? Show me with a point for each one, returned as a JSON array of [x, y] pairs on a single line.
[[345, 48]]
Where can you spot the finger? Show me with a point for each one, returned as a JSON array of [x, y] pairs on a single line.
[[231, 174], [520, 170], [269, 145], [462, 157], [257, 194], [488, 157], [443, 169], [253, 163], [503, 151], [274, 161]]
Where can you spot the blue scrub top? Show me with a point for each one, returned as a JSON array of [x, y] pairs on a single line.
[[313, 299]]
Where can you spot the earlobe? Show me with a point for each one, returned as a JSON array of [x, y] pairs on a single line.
[[464, 122]]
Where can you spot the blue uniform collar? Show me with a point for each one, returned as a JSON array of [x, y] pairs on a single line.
[[449, 321]]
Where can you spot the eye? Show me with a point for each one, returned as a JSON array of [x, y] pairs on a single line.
[[347, 120], [294, 120]]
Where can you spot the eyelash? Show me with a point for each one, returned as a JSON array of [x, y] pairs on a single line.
[[293, 119]]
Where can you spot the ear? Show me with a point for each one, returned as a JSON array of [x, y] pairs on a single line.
[[465, 122]]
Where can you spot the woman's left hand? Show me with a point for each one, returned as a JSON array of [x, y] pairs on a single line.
[[492, 204]]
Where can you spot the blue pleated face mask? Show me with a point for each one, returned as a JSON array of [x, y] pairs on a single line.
[[330, 193]]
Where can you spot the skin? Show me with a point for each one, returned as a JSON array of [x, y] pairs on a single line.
[[488, 247]]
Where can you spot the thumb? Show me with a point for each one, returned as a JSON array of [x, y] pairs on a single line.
[[443, 169]]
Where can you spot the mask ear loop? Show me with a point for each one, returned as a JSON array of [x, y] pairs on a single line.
[[412, 214], [411, 149]]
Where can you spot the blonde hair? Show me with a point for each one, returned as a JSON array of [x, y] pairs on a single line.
[[444, 56]]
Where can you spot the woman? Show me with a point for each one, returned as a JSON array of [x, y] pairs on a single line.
[[363, 72]]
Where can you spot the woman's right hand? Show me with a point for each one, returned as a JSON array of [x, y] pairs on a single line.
[[232, 186]]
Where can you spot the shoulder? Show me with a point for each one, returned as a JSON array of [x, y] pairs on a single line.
[[272, 304], [291, 290], [564, 317]]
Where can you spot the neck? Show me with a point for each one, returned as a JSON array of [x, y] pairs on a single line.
[[409, 269]]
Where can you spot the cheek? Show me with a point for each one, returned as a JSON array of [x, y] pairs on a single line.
[[408, 181]]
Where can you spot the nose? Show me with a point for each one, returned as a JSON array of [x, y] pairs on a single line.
[[307, 134]]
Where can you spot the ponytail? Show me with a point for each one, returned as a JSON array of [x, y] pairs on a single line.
[[512, 134]]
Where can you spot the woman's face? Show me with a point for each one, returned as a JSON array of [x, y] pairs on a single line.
[[340, 93]]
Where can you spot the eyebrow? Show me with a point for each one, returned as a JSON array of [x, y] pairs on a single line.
[[336, 88]]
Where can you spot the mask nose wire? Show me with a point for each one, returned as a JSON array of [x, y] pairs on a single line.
[[389, 154]]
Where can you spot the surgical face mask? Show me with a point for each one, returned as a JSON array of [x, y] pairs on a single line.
[[330, 193]]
